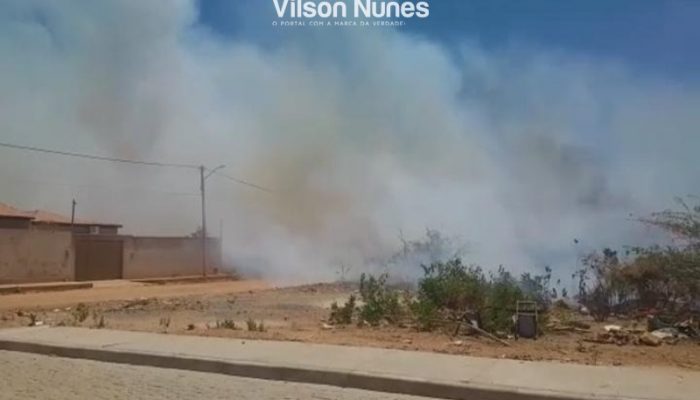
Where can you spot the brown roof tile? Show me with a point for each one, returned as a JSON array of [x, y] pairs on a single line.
[[11, 212], [45, 217]]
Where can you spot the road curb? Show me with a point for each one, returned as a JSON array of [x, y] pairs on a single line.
[[44, 287], [185, 279], [387, 384]]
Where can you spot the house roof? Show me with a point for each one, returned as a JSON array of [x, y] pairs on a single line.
[[46, 217], [8, 211]]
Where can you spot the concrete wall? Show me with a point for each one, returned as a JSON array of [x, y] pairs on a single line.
[[160, 257], [35, 256], [78, 229], [14, 223]]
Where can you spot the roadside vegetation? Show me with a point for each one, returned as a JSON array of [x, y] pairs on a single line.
[[659, 281], [448, 293]]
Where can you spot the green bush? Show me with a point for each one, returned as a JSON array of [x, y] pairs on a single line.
[[226, 324], [453, 287], [503, 293], [80, 313], [600, 286], [426, 314], [448, 291], [254, 326], [343, 315], [536, 288], [379, 302], [251, 324]]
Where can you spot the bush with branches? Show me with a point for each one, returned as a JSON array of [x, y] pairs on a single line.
[[379, 301], [600, 286], [448, 292]]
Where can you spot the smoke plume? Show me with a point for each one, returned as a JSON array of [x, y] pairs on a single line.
[[362, 135]]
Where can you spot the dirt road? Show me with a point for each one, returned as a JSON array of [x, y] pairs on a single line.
[[124, 290]]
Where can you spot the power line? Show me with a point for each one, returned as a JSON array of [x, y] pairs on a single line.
[[242, 182], [94, 157], [201, 169], [128, 161]]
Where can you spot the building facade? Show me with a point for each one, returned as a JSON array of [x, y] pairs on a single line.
[[40, 246]]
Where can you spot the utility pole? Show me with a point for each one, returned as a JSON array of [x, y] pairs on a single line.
[[204, 221], [202, 181], [221, 244], [72, 216]]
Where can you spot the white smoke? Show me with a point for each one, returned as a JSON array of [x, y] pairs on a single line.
[[360, 134]]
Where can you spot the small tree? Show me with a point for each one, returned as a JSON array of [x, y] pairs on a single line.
[[380, 302], [537, 287], [600, 286], [683, 224], [503, 293], [669, 277], [453, 287], [664, 278], [343, 315]]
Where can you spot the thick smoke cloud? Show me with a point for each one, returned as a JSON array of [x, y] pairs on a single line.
[[361, 134]]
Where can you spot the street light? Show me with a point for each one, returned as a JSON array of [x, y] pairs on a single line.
[[203, 178]]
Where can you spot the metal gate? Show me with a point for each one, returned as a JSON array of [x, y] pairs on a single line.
[[98, 258]]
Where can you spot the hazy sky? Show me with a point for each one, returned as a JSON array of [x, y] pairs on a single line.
[[515, 126], [655, 36]]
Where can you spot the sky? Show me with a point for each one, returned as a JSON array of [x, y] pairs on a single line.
[[512, 127], [654, 36]]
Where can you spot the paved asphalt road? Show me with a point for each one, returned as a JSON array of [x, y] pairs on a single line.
[[26, 376]]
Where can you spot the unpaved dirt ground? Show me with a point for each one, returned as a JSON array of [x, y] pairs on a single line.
[[120, 290], [297, 314]]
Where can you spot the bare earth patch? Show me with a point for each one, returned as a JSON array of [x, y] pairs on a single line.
[[223, 309]]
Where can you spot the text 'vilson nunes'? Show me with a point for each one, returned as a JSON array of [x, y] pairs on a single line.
[[361, 9]]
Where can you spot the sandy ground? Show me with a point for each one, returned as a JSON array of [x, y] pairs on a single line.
[[120, 290], [298, 314]]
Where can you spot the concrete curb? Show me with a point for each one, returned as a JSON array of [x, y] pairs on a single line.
[[388, 384], [185, 279], [44, 287]]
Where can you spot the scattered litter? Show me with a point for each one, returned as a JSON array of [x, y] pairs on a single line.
[[615, 334], [689, 328], [649, 339], [489, 335], [327, 327], [666, 333], [618, 337], [208, 325]]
